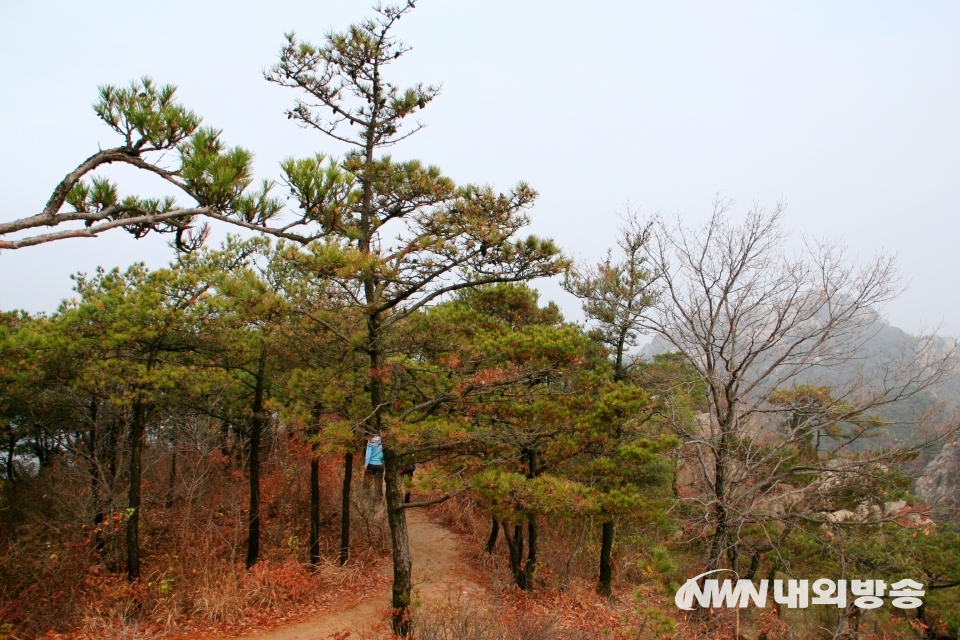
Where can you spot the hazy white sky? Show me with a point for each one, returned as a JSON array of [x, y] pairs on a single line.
[[848, 111]]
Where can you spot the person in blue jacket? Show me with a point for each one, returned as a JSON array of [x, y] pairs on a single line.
[[373, 462]]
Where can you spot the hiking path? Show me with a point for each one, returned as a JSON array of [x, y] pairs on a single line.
[[441, 573]]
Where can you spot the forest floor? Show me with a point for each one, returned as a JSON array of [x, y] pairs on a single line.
[[442, 572]]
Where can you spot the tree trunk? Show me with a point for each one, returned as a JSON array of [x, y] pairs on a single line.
[[98, 514], [137, 426], [345, 508], [605, 583], [253, 519], [530, 568], [11, 454], [314, 511], [225, 450], [402, 562], [754, 565], [674, 486], [718, 546], [619, 373], [515, 547], [720, 510], [494, 533], [117, 428], [172, 482], [719, 543], [256, 434], [396, 514]]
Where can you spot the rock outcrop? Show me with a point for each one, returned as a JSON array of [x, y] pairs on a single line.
[[939, 485]]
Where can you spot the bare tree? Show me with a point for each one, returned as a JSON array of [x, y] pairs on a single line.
[[780, 343]]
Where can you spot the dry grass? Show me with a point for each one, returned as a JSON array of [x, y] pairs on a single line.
[[565, 603], [52, 579], [465, 621]]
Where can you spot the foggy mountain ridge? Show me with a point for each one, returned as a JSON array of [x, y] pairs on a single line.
[[939, 481], [881, 340]]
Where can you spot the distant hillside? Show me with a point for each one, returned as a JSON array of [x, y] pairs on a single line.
[[882, 343]]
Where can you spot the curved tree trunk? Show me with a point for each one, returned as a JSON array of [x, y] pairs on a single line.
[[494, 534]]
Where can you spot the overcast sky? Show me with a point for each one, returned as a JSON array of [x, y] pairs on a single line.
[[847, 111]]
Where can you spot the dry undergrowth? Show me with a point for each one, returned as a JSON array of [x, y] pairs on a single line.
[[55, 582], [564, 602]]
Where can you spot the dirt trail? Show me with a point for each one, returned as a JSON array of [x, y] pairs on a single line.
[[439, 573]]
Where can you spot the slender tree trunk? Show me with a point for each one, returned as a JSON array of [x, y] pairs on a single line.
[[137, 427], [253, 519], [619, 373], [117, 428], [396, 514], [224, 439], [172, 481], [256, 434], [345, 508], [95, 481], [314, 511], [719, 544], [733, 557], [41, 451], [402, 562], [494, 533], [754, 565], [313, 431], [11, 455], [715, 560], [719, 539], [605, 583], [674, 483]]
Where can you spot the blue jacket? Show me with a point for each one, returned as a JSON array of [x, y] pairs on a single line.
[[374, 453]]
